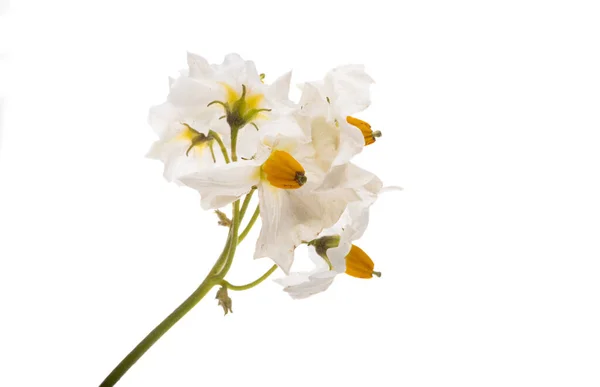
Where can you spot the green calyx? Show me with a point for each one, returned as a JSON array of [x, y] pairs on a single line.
[[323, 244], [237, 113], [199, 140]]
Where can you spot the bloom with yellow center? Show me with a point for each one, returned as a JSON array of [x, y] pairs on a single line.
[[241, 109], [236, 95], [294, 204], [184, 150]]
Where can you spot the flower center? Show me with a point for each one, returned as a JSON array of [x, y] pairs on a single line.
[[359, 264], [283, 171], [365, 128], [241, 109], [197, 140]]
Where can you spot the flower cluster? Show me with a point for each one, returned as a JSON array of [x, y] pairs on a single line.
[[227, 133]]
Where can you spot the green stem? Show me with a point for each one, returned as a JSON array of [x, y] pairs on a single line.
[[251, 284], [157, 333], [216, 269], [250, 224], [216, 136], [211, 280], [234, 135], [162, 328], [212, 153], [234, 239], [246, 203]]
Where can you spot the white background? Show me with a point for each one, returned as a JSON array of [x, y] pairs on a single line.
[[490, 257]]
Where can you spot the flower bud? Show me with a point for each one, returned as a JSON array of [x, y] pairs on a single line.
[[283, 171], [365, 128], [359, 264]]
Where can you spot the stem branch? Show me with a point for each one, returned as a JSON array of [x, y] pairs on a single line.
[[251, 284], [249, 226], [216, 136]]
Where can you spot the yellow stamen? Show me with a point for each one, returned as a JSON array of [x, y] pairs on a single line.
[[365, 128], [283, 171], [359, 264]]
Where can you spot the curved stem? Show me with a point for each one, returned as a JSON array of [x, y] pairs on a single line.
[[217, 138], [251, 284], [246, 203], [234, 239], [211, 280], [216, 269], [157, 332], [249, 226]]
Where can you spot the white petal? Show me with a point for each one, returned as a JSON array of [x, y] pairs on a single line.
[[290, 217], [177, 163], [350, 176], [350, 86], [232, 60], [283, 124], [391, 188], [248, 142], [189, 92], [163, 119], [222, 185], [310, 287], [304, 284], [351, 143], [236, 72], [358, 214], [280, 88], [312, 103], [326, 141], [198, 66]]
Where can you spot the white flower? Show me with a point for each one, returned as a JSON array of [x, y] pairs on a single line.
[[297, 198], [326, 109], [334, 252], [210, 101]]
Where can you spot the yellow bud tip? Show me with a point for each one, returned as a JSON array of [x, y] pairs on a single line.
[[282, 170]]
